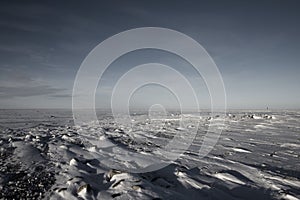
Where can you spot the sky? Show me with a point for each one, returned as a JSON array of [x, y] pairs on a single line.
[[255, 45]]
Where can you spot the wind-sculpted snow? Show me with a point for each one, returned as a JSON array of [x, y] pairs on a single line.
[[44, 156]]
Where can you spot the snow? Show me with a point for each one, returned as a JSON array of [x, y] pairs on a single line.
[[228, 177], [241, 150], [43, 157]]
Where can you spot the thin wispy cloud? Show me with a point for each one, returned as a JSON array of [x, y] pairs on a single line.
[[253, 44], [15, 84], [25, 91]]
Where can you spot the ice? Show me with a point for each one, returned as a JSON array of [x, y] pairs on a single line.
[[44, 156], [241, 150], [229, 177]]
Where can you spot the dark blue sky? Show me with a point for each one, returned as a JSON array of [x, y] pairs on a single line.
[[255, 44]]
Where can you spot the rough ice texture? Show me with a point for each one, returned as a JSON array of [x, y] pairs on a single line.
[[43, 156]]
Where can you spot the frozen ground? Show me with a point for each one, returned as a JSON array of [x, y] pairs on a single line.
[[43, 156]]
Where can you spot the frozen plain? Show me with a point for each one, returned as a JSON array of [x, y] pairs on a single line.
[[42, 156]]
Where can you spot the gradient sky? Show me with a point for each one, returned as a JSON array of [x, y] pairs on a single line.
[[255, 44]]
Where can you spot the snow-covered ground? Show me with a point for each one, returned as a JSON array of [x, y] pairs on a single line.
[[43, 155]]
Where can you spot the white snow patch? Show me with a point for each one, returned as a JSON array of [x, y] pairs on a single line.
[[293, 145], [241, 150], [229, 177]]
